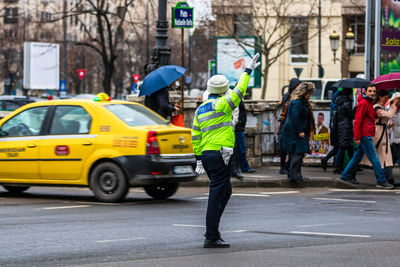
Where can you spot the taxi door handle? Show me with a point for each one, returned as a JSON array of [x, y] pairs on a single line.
[[32, 145], [88, 143]]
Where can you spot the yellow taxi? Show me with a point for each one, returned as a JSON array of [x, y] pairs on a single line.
[[105, 144]]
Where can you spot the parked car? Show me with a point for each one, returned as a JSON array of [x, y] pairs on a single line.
[[107, 145], [9, 103]]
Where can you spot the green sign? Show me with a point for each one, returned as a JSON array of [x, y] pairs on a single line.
[[182, 16]]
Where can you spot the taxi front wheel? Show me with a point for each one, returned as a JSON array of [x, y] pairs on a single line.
[[161, 191], [15, 189], [108, 183]]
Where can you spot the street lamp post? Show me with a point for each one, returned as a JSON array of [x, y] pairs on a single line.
[[334, 39], [161, 51]]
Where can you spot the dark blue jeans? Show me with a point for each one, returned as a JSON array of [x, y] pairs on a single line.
[[220, 191], [366, 147], [241, 151]]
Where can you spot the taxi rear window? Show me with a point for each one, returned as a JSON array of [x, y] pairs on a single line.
[[135, 115]]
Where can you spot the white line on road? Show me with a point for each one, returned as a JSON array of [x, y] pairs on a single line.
[[66, 207], [189, 225], [239, 231], [280, 192], [94, 203], [327, 234], [118, 240], [200, 198], [364, 190], [345, 200], [249, 195], [258, 176], [322, 224]]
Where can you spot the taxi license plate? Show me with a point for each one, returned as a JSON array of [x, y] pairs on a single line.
[[183, 169]]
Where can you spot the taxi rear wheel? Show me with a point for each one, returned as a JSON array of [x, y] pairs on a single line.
[[108, 182], [15, 189], [161, 191]]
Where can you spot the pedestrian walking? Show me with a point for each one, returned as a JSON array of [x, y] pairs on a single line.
[[333, 131], [294, 83], [296, 131], [381, 138], [160, 102], [364, 131], [345, 137], [240, 144], [395, 136], [213, 140]]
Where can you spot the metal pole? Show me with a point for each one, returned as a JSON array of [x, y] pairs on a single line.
[[183, 65], [161, 52], [64, 41], [377, 54], [320, 71], [147, 33], [367, 52]]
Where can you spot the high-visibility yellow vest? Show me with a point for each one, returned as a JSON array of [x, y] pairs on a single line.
[[212, 123]]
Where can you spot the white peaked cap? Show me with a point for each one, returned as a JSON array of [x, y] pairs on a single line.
[[217, 84]]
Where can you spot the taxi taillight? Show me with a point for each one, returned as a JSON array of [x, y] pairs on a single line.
[[152, 144]]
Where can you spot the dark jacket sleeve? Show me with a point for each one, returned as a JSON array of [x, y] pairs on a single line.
[[295, 114], [241, 124], [165, 108]]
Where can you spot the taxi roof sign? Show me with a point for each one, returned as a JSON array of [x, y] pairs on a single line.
[[102, 97]]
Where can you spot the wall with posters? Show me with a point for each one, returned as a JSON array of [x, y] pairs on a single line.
[[390, 37]]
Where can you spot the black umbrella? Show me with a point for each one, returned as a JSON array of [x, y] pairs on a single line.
[[336, 84], [352, 83]]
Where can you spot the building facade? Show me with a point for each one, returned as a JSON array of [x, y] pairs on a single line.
[[289, 38]]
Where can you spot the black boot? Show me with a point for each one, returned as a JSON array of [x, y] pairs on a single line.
[[283, 170], [353, 179], [394, 183], [324, 164]]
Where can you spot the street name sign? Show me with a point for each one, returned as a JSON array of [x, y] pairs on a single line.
[[182, 16]]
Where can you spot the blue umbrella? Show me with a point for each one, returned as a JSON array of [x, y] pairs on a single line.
[[160, 78]]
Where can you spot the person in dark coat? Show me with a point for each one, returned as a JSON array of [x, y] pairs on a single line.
[[159, 101], [284, 104], [333, 132], [345, 116], [239, 159], [296, 131]]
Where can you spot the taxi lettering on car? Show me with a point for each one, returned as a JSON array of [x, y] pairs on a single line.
[[104, 144]]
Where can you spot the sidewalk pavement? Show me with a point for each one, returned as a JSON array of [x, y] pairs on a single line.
[[268, 176]]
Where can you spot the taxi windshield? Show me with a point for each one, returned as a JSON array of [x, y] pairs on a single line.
[[135, 115]]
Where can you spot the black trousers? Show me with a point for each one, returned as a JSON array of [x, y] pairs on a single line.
[[220, 191], [294, 172]]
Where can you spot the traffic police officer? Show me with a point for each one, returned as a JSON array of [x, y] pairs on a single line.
[[213, 139]]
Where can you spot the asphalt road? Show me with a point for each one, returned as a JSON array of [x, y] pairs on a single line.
[[266, 227]]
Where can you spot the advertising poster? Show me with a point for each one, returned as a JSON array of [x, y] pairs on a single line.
[[390, 37], [320, 142], [232, 58]]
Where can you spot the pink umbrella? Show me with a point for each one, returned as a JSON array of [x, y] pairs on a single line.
[[388, 81]]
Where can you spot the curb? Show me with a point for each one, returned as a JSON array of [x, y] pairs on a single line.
[[262, 183]]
